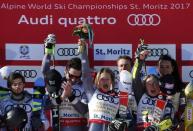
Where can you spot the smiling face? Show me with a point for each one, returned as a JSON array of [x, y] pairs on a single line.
[[152, 86], [73, 75], [165, 67], [123, 64]]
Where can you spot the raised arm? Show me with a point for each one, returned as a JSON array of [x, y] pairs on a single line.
[[86, 70], [138, 87]]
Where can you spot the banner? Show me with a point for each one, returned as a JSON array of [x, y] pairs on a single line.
[[165, 25]]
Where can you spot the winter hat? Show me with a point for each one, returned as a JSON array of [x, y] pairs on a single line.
[[5, 72], [125, 83], [53, 81]]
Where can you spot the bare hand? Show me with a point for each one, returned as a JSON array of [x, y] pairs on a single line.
[[67, 90]]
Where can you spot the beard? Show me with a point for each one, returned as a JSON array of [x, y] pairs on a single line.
[[18, 96]]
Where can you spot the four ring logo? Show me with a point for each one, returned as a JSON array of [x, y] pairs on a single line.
[[76, 92], [116, 73], [158, 52], [143, 19], [67, 52], [27, 73], [191, 74], [26, 107], [148, 101], [110, 99]]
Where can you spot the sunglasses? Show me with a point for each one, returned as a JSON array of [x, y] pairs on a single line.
[[73, 76]]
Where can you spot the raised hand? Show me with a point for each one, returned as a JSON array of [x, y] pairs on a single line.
[[67, 90], [142, 51], [49, 44]]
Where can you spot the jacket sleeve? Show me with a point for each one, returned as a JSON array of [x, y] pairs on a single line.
[[87, 74], [80, 105], [169, 110], [46, 63], [138, 87]]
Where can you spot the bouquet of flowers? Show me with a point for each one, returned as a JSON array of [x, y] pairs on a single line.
[[84, 31]]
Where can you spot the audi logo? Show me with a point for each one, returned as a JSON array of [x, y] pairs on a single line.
[[107, 98], [76, 92], [191, 74], [143, 19], [27, 73], [116, 73], [148, 101], [67, 52], [158, 52], [26, 107]]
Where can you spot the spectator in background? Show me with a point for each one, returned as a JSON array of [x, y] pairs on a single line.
[[124, 63]]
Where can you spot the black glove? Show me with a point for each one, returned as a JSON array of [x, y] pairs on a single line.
[[152, 128], [36, 120], [117, 125], [141, 48]]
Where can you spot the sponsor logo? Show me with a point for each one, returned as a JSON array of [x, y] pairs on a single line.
[[154, 52], [116, 73], [111, 52], [148, 101], [27, 73], [143, 19], [191, 74], [26, 107], [76, 92], [67, 52], [110, 99], [121, 51], [24, 51], [189, 114]]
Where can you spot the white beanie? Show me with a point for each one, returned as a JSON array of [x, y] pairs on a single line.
[[5, 72]]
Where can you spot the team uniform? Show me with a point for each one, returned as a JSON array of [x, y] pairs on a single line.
[[72, 112], [103, 106], [9, 103], [152, 110], [148, 106]]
